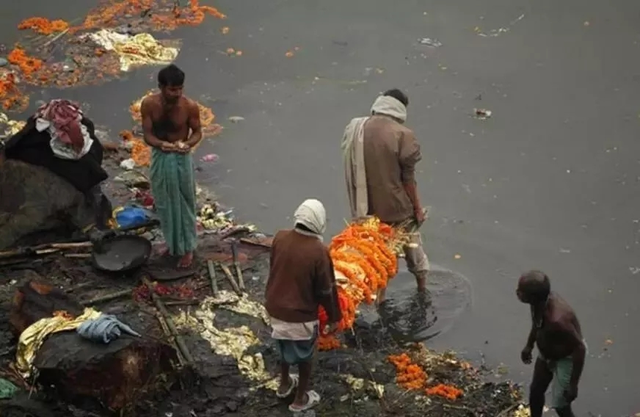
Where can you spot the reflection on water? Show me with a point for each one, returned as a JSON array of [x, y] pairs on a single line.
[[410, 316]]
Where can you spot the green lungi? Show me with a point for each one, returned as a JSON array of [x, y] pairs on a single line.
[[174, 192]]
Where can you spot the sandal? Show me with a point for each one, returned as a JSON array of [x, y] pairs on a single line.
[[292, 386], [313, 399]]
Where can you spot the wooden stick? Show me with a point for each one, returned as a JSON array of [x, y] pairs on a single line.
[[233, 282], [107, 297], [212, 277], [234, 250], [77, 255], [172, 339], [181, 303], [170, 324], [76, 245]]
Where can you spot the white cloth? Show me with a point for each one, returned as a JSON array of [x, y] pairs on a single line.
[[60, 149], [354, 169], [391, 107], [353, 153], [283, 330], [312, 215]]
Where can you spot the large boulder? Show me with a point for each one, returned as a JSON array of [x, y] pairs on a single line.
[[34, 200]]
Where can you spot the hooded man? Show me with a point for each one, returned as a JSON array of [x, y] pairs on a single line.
[[380, 155], [556, 332], [301, 278]]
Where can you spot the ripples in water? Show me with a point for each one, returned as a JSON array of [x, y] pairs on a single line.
[[410, 316]]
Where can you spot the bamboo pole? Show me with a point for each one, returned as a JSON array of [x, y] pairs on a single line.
[[170, 324], [233, 282], [212, 277]]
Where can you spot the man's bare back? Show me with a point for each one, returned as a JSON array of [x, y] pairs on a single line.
[[559, 327], [556, 332]]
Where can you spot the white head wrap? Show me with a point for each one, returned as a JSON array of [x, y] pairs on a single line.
[[390, 106], [312, 215]]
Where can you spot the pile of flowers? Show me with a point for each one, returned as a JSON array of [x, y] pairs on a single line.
[[409, 375], [445, 391], [11, 96], [43, 26], [28, 64], [164, 14], [364, 261]]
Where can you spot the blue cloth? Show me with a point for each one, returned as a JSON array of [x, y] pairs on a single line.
[[131, 216], [174, 192], [104, 329], [294, 352]]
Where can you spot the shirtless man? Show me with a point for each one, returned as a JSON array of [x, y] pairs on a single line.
[[556, 332], [171, 124]]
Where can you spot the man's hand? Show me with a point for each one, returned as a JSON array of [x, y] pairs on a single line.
[[330, 328], [571, 393], [182, 147], [526, 355], [167, 147], [419, 215]]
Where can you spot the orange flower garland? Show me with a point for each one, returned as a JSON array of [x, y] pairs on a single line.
[[361, 253], [409, 375], [446, 391]]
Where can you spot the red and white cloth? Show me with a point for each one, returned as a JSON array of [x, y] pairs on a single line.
[[61, 119]]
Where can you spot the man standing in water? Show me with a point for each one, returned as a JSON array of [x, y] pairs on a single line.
[[171, 124], [380, 155], [556, 332]]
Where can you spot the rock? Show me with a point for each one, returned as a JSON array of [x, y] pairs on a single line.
[[3, 62], [232, 406], [71, 367], [35, 201], [134, 179]]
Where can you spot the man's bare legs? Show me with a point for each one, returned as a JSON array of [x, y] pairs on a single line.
[[542, 377], [285, 379], [301, 398]]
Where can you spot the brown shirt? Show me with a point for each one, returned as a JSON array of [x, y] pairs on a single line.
[[301, 278], [391, 152]]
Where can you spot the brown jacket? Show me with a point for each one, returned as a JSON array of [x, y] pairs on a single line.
[[301, 278], [391, 152]]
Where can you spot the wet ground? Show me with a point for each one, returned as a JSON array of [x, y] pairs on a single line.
[[547, 182]]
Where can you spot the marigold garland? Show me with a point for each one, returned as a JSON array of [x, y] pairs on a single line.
[[362, 255], [445, 391]]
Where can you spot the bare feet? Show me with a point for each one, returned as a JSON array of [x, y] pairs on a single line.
[[186, 260]]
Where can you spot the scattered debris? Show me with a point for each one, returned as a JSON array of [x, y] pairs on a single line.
[[212, 157], [134, 51], [236, 119], [430, 42], [482, 114], [497, 32], [128, 164]]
